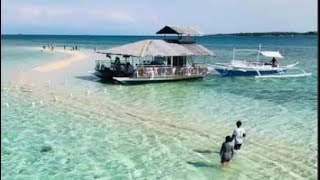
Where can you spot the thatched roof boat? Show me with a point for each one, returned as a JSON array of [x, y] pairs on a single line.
[[155, 60]]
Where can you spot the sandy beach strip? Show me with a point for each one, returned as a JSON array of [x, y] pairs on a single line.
[[76, 56]]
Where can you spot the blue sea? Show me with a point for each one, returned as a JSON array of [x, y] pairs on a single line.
[[65, 124]]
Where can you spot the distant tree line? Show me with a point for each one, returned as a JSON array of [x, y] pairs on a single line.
[[310, 33]]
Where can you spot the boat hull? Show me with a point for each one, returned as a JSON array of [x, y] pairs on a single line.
[[107, 74], [235, 72], [128, 81]]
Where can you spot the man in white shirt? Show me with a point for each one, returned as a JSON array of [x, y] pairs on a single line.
[[238, 134]]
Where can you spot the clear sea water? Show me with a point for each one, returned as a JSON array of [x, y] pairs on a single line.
[[154, 131]]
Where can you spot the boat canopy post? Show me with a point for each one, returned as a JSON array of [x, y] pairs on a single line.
[[234, 51], [258, 57]]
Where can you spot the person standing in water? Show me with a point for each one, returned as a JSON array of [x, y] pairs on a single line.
[[238, 134], [226, 151]]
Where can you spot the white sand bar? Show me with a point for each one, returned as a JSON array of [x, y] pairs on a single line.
[[60, 64]]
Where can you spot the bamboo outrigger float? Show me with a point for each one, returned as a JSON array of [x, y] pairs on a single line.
[[155, 60]]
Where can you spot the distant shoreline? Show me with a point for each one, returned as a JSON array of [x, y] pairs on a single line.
[[310, 33]]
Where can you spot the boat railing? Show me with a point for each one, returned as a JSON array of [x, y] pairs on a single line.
[[103, 64], [157, 70], [167, 71]]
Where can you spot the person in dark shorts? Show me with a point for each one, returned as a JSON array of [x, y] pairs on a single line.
[[238, 134], [226, 151]]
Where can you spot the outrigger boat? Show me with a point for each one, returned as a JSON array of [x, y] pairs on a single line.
[[155, 60], [258, 68]]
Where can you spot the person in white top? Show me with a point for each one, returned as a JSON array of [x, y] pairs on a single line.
[[238, 134]]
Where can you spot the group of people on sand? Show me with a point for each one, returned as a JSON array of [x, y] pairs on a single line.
[[73, 48], [50, 47], [228, 150]]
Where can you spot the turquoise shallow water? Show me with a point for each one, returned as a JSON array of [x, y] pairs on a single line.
[[155, 131]]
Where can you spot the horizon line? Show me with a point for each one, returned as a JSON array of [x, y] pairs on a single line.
[[315, 31]]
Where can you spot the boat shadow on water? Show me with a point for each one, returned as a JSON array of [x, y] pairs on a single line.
[[95, 79], [200, 164]]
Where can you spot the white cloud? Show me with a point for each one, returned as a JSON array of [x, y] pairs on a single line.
[[39, 14], [144, 16]]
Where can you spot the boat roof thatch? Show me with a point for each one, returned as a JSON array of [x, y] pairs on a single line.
[[198, 50], [156, 47], [151, 47], [189, 30]]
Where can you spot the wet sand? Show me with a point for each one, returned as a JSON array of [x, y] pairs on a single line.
[[76, 56]]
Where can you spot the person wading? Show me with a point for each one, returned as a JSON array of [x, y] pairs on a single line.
[[226, 151], [238, 134]]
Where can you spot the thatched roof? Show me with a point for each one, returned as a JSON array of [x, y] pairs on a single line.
[[198, 50], [156, 47], [152, 47], [189, 30]]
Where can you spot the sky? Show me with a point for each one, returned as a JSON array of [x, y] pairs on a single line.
[[145, 17]]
